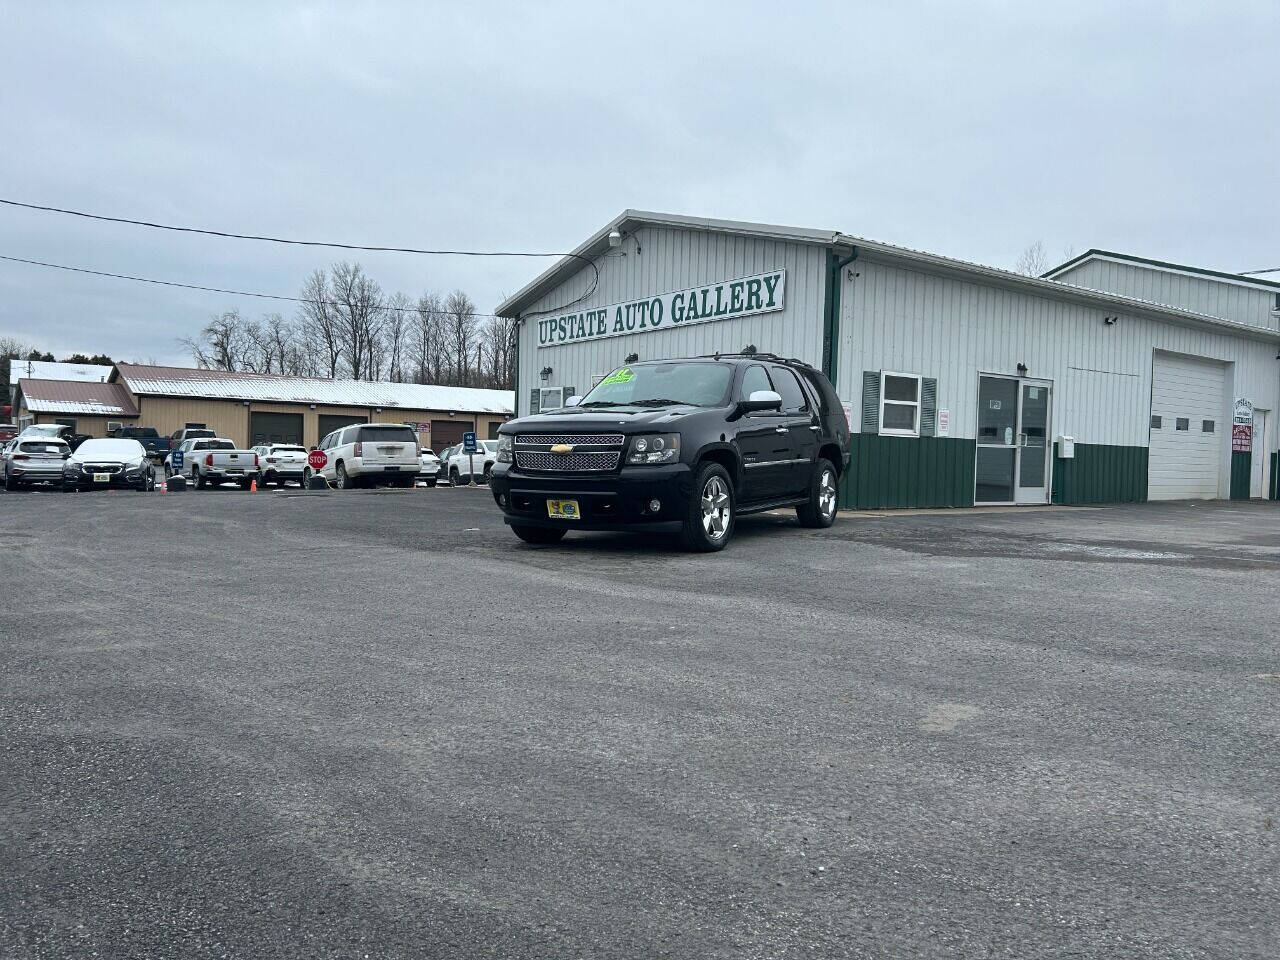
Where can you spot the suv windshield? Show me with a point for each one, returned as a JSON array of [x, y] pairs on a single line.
[[698, 383]]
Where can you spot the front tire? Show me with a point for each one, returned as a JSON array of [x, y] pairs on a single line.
[[431, 482], [487, 471], [710, 516], [10, 484], [539, 534], [455, 478], [823, 504]]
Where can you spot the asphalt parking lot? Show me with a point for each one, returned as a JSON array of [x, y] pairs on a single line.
[[373, 724]]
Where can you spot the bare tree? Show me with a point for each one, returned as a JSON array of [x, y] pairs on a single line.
[[11, 348], [461, 327], [223, 343], [358, 304], [318, 323], [395, 336], [498, 345], [425, 339], [1033, 261]]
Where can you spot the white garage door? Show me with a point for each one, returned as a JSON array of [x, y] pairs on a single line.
[[1188, 400]]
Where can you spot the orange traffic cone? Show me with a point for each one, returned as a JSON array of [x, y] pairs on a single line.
[[253, 485]]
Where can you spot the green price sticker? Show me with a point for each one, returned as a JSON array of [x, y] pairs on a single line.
[[618, 376]]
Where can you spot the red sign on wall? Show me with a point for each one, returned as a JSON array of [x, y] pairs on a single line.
[[1241, 437]]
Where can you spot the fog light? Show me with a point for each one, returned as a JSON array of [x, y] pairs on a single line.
[[502, 499], [655, 506]]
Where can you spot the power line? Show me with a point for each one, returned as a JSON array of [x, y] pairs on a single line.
[[192, 286], [1250, 273], [591, 289]]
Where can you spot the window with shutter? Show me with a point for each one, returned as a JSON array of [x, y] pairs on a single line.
[[900, 404], [870, 401], [928, 406]]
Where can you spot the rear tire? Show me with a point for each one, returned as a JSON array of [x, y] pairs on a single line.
[[539, 534], [823, 504], [487, 470], [710, 514], [344, 481], [431, 483], [198, 479], [9, 483]]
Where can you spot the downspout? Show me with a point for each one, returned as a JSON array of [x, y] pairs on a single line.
[[515, 403], [831, 313]]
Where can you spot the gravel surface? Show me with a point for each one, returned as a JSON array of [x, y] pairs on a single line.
[[373, 724]]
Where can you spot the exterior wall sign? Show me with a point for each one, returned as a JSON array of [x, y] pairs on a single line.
[[1244, 411], [944, 423], [1241, 437], [724, 300]]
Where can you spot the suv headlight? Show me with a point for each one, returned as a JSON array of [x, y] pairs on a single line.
[[662, 448], [506, 448]]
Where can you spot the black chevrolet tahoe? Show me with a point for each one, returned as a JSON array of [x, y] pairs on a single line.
[[677, 446]]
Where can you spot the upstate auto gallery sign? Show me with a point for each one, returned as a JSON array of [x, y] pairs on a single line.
[[724, 300]]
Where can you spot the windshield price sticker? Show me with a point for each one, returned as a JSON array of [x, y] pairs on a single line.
[[723, 300], [618, 376]]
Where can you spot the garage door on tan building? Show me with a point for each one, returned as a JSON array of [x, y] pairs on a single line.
[[445, 433], [1189, 428]]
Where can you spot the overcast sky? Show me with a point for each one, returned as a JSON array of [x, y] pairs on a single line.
[[961, 129]]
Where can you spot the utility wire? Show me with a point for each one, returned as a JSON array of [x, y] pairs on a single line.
[[304, 243], [192, 286], [1250, 273]]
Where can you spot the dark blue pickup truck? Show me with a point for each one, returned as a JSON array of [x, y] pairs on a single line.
[[157, 446]]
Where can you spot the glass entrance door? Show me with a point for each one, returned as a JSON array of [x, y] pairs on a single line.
[[1013, 441]]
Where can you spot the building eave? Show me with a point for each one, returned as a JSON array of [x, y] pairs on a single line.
[[1040, 286], [1180, 268], [629, 220]]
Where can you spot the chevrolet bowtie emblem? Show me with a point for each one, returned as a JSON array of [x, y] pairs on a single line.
[[562, 448]]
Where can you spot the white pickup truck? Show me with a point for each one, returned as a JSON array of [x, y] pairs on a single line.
[[214, 461]]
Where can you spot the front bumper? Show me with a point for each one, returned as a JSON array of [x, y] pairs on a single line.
[[120, 480], [612, 501]]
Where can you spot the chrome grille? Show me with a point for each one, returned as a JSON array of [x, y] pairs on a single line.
[[584, 439], [102, 468], [567, 462]]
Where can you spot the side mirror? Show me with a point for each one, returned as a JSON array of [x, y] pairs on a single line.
[[66, 455], [573, 401], [760, 400]]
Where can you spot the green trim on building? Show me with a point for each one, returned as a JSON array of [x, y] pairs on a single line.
[[1100, 473], [1241, 466], [831, 311], [1274, 492], [900, 472]]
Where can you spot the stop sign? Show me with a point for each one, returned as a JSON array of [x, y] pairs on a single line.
[[317, 459]]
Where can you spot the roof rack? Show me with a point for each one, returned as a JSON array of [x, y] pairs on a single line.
[[754, 355]]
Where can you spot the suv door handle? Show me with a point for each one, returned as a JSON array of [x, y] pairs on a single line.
[[814, 427], [781, 429]]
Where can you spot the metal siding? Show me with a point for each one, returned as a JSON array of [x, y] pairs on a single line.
[[905, 320], [1215, 298], [670, 260]]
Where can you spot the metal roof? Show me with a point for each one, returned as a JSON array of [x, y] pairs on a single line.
[[1162, 264], [47, 370], [77, 396], [229, 385], [871, 249]]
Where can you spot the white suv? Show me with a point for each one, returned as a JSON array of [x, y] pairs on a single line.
[[281, 462], [369, 454], [459, 466]]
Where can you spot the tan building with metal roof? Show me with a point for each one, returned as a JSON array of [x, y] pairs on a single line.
[[251, 408]]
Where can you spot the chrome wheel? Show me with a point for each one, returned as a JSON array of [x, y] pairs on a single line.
[[716, 509], [827, 494]]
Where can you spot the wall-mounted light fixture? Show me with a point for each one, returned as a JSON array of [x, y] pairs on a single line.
[[1022, 369], [1110, 321], [245, 402], [615, 237], [632, 358], [545, 373], [312, 406]]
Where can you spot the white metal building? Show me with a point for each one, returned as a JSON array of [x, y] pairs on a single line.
[[1111, 379]]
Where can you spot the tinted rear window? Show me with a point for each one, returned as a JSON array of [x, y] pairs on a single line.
[[198, 433], [388, 435], [280, 449], [42, 447]]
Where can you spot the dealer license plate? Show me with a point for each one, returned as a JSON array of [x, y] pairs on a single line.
[[102, 478], [393, 468], [563, 509]]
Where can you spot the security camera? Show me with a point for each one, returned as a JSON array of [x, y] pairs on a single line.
[[1109, 321]]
